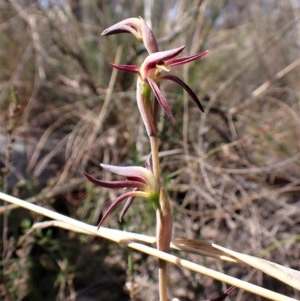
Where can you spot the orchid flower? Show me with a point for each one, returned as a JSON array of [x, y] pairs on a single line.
[[140, 179], [150, 76], [139, 28]]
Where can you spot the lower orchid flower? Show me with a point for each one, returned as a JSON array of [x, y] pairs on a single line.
[[140, 179]]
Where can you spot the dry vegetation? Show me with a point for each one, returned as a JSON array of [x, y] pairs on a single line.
[[234, 174]]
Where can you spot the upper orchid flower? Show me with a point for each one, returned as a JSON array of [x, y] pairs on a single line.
[[139, 28], [150, 74], [141, 179]]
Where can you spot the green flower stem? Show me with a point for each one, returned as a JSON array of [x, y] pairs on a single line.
[[162, 276], [164, 219], [164, 223], [155, 158]]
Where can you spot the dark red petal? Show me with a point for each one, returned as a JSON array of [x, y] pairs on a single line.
[[183, 60], [116, 184], [126, 206], [120, 29], [137, 179], [133, 173], [131, 25], [129, 68], [114, 204], [163, 55], [225, 295], [185, 87], [161, 99]]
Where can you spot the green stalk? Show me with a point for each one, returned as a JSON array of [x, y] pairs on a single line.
[[155, 158], [164, 219]]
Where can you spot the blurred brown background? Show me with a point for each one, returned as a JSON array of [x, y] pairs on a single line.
[[233, 173]]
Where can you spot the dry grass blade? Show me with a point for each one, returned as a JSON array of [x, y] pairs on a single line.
[[202, 248], [284, 274]]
